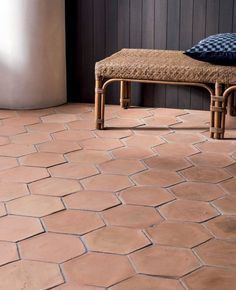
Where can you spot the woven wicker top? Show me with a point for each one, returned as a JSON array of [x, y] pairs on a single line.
[[162, 65]]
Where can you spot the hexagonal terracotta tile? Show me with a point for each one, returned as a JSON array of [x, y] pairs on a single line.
[[211, 159], [211, 278], [73, 170], [137, 140], [178, 137], [160, 121], [173, 163], [146, 195], [132, 216], [9, 191], [176, 149], [148, 283], [5, 114], [23, 174], [163, 178], [16, 228], [88, 156], [106, 182], [81, 125], [230, 185], [122, 167], [113, 133], [22, 121], [6, 130], [147, 131], [72, 135], [59, 146], [25, 275], [91, 200], [179, 234], [218, 253], [76, 286], [16, 150], [227, 205], [31, 138], [4, 140], [169, 112], [54, 186], [232, 169], [116, 240], [98, 269], [35, 205], [46, 127], [50, 247], [205, 174], [132, 153], [196, 115], [223, 227], [134, 113], [83, 222], [162, 261], [217, 146], [90, 116], [42, 159], [8, 253], [35, 112], [59, 118], [74, 108], [7, 162], [193, 125], [197, 191], [101, 144], [124, 123], [2, 210], [188, 210]]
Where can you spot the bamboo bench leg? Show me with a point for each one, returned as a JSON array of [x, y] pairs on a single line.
[[99, 106], [125, 92], [218, 111], [212, 118]]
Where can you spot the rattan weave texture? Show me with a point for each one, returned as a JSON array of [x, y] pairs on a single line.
[[162, 65]]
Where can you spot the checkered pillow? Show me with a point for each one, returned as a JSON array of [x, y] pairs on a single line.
[[218, 49]]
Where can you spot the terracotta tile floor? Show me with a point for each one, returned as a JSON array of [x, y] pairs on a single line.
[[149, 206]]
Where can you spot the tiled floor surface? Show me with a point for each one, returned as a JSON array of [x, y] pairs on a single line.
[[147, 208]]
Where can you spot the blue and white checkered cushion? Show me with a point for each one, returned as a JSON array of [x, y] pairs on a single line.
[[218, 49]]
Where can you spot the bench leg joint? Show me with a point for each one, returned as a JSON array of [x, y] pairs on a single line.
[[99, 104], [218, 112]]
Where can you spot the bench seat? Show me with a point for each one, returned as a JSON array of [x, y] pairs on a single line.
[[167, 67], [162, 65]]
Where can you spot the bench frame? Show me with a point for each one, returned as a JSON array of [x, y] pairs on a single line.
[[222, 96]]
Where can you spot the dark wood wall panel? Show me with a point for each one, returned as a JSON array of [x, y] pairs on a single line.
[[161, 9], [185, 40], [173, 13], [98, 28], [234, 16], [226, 23], [148, 28]]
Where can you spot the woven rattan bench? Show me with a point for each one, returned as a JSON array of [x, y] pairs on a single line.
[[165, 67]]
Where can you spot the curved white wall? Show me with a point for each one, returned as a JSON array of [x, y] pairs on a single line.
[[32, 53]]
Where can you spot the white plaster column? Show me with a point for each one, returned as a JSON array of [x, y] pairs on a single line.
[[32, 53]]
